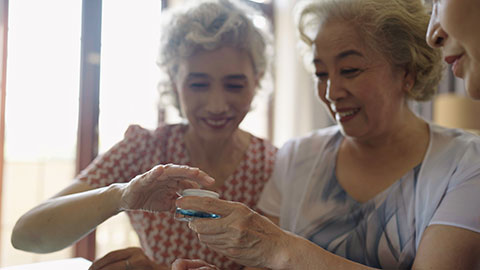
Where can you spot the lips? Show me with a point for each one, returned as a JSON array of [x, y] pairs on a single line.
[[343, 115], [454, 60], [216, 123]]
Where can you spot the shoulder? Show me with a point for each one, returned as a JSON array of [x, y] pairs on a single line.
[[137, 131], [263, 145], [168, 130], [453, 157], [450, 171], [454, 136], [311, 143], [302, 153], [454, 144]]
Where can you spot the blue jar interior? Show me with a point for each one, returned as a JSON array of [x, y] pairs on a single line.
[[189, 215]]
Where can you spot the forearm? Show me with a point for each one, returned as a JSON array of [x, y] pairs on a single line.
[[300, 253], [59, 222]]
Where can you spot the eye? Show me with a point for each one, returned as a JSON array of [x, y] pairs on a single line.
[[198, 86], [321, 76], [350, 72], [234, 87]]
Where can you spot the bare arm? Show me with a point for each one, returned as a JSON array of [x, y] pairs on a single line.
[[78, 209], [275, 220], [250, 239], [60, 221], [441, 247], [448, 247]]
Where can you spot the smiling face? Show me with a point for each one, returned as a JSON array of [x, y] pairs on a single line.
[[215, 90], [454, 27], [363, 92]]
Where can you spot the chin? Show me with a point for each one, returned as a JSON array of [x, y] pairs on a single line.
[[472, 86], [474, 95], [348, 132], [220, 134]]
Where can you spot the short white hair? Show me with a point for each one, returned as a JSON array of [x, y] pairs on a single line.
[[394, 28], [209, 25]]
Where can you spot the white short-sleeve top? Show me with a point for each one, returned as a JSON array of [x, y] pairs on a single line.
[[385, 231]]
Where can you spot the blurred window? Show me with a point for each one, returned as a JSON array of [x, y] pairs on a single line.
[[128, 90], [41, 111]]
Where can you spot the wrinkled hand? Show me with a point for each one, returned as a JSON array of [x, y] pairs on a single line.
[[126, 259], [186, 264], [241, 234], [156, 190]]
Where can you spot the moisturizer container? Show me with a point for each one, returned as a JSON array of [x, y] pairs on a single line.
[[189, 215]]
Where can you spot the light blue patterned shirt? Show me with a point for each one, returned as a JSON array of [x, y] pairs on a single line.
[[385, 231]]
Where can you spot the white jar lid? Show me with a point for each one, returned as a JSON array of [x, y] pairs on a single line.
[[200, 193]]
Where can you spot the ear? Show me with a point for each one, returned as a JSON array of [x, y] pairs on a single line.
[[408, 80]]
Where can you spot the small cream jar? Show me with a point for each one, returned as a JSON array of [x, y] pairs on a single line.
[[189, 215]]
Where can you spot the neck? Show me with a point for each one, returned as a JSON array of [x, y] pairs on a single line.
[[408, 132], [215, 152]]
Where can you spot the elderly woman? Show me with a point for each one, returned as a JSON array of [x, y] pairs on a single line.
[[452, 27], [215, 58], [381, 189]]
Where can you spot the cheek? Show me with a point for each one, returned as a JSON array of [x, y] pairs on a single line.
[[472, 83], [382, 106], [324, 100], [182, 100], [472, 47], [189, 101], [242, 102], [452, 17], [321, 92]]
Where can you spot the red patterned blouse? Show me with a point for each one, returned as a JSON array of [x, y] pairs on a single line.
[[163, 238]]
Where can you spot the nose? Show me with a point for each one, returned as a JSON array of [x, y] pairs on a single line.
[[217, 101], [436, 36], [335, 90]]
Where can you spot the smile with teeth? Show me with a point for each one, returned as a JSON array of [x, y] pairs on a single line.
[[216, 122], [348, 113]]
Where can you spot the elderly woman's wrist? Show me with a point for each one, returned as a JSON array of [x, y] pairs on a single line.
[[283, 256], [298, 253], [114, 196]]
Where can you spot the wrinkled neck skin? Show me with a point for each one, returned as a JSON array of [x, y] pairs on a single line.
[[408, 133]]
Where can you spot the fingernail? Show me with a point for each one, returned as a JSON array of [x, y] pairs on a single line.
[[210, 179]]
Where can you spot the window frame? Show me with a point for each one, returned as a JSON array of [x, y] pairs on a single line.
[[3, 83], [87, 137]]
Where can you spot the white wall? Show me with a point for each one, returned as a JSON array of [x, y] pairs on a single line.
[[297, 109]]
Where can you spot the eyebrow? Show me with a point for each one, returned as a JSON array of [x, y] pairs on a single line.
[[236, 77], [341, 56], [348, 53], [196, 75]]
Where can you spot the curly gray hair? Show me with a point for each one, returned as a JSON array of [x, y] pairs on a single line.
[[209, 25], [394, 28]]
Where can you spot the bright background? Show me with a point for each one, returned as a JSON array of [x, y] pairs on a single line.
[[42, 104]]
